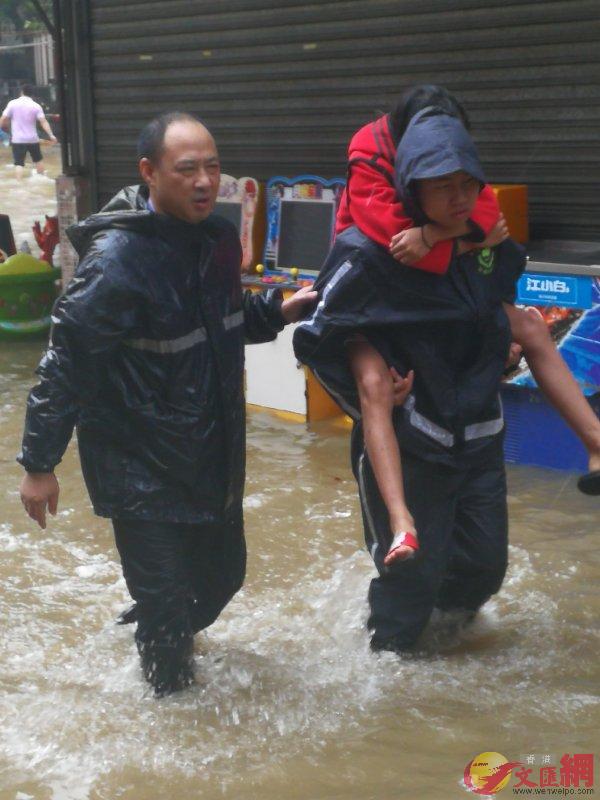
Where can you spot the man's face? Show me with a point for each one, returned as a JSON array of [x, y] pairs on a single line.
[[184, 180], [448, 200]]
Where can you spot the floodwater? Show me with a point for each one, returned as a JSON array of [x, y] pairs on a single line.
[[29, 199], [290, 703]]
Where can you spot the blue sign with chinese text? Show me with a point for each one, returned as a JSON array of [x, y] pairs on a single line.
[[566, 291], [571, 307]]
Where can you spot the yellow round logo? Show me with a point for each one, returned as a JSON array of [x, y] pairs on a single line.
[[487, 773]]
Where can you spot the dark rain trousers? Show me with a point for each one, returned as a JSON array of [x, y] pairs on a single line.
[[461, 516], [181, 577]]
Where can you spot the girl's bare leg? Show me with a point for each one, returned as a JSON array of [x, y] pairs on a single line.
[[554, 378], [375, 390]]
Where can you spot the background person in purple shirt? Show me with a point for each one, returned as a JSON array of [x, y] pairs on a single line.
[[23, 115]]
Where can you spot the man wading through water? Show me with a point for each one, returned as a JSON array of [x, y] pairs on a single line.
[[452, 331], [146, 359]]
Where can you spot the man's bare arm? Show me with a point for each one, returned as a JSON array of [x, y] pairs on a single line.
[[45, 125]]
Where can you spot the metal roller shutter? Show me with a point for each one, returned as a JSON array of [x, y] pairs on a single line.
[[283, 85]]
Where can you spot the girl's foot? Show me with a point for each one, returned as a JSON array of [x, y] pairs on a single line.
[[590, 482], [403, 547], [594, 460]]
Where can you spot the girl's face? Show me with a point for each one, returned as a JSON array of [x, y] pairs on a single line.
[[448, 200]]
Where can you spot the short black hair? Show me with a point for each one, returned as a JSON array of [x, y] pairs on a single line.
[[419, 97], [27, 89], [152, 136]]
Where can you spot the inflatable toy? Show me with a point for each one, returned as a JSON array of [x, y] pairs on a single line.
[[27, 292]]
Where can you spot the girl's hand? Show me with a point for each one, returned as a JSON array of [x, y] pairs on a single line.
[[497, 235], [408, 246]]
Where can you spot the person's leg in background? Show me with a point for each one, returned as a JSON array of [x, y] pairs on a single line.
[[478, 554], [19, 152], [35, 151]]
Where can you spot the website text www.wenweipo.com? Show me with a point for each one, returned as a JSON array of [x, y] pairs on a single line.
[[560, 791]]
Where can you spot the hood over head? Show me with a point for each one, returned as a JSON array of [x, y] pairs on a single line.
[[434, 144], [128, 210]]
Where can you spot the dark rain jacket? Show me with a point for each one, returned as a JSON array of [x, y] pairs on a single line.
[[451, 329], [146, 359]]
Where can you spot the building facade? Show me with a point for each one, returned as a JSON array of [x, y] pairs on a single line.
[[284, 85]]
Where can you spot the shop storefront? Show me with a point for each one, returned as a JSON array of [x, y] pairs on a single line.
[[283, 86]]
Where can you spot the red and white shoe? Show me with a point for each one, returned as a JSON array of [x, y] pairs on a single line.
[[402, 539]]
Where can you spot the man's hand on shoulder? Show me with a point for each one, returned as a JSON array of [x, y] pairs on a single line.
[[39, 490], [299, 304]]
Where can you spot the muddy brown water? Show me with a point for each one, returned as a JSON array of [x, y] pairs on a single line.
[[290, 702], [29, 199]]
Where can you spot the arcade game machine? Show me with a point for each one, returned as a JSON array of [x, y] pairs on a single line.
[[300, 226], [240, 201], [561, 280]]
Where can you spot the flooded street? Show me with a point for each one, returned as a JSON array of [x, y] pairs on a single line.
[[290, 703], [29, 199]]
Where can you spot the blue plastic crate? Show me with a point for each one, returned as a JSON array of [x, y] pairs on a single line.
[[537, 435]]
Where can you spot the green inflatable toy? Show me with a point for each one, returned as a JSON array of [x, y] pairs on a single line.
[[27, 293]]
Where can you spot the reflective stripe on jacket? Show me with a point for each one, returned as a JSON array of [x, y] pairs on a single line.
[[450, 329], [146, 358]]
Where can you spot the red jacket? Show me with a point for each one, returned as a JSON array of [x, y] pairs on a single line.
[[370, 201]]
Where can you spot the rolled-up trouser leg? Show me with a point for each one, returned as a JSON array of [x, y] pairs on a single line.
[[478, 554], [403, 596]]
